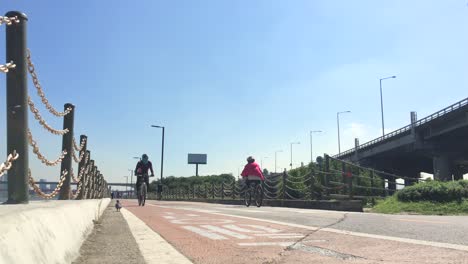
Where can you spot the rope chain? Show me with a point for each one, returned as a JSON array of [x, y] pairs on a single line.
[[78, 191], [40, 156], [40, 92], [38, 117], [81, 145], [75, 158], [39, 191], [5, 166], [9, 20], [6, 67]]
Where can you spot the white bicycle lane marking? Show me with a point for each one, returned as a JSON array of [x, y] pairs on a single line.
[[460, 247], [225, 229]]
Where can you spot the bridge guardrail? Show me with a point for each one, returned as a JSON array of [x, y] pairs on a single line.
[[420, 122]]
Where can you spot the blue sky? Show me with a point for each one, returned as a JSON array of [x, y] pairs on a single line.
[[236, 78]]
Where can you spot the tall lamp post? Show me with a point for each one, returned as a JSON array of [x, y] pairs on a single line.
[[381, 101], [292, 143], [338, 123], [162, 158], [126, 185], [311, 152], [275, 157], [131, 172]]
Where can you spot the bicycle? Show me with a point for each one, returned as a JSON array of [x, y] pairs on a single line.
[[253, 188], [142, 190]]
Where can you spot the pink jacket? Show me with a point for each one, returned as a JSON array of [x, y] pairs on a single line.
[[252, 169]]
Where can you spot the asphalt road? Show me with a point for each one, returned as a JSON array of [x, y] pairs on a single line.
[[214, 233]]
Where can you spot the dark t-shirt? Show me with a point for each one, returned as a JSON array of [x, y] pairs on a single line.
[[144, 168]]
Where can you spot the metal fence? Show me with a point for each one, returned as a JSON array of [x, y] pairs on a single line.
[[334, 179]]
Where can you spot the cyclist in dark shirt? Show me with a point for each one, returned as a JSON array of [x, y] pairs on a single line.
[[142, 168]]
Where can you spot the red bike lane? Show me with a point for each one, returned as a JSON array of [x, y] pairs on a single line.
[[205, 236]]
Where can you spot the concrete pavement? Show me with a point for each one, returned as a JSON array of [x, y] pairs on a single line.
[[213, 233]]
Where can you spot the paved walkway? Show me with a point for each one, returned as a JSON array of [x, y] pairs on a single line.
[[120, 237], [111, 241]]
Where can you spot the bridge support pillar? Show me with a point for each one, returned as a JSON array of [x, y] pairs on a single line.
[[442, 167], [391, 184], [458, 173]]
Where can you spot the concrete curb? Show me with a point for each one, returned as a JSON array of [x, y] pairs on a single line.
[[351, 206], [47, 231]]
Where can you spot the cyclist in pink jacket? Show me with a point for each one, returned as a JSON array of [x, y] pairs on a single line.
[[252, 171]]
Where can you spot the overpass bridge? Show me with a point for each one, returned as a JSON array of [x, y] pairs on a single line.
[[436, 144]]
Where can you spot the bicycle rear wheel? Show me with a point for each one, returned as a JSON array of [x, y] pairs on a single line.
[[143, 194], [139, 198], [258, 195], [248, 196]]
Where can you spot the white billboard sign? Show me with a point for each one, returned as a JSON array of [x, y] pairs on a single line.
[[196, 158]]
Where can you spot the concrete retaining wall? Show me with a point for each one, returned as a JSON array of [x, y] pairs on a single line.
[[352, 206], [47, 231]]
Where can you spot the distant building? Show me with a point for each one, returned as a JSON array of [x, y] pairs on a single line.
[[42, 184], [4, 177], [52, 186]]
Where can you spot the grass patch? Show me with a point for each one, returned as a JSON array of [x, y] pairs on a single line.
[[392, 205]]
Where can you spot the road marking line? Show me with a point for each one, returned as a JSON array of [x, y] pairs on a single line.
[[200, 221], [240, 229], [280, 234], [285, 235], [246, 210], [168, 217], [205, 233], [283, 244], [194, 215], [422, 221], [152, 246], [344, 232], [226, 232], [264, 228], [170, 213]]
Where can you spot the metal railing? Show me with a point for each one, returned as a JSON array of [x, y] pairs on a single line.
[[335, 179], [90, 182], [407, 128]]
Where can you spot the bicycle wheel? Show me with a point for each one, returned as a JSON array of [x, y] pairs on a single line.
[[143, 194], [248, 196], [258, 195], [139, 198]]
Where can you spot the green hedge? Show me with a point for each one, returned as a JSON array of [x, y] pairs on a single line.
[[435, 191]]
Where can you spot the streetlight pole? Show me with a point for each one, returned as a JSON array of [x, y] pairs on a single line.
[[126, 185], [131, 179], [292, 154], [311, 153], [338, 123], [131, 173], [275, 157], [162, 154], [381, 101]]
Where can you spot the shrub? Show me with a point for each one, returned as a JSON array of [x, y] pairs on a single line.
[[435, 191]]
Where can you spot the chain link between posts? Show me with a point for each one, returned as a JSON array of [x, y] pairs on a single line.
[[40, 156], [81, 144], [9, 20], [39, 191], [6, 67], [38, 117], [40, 92], [5, 166], [75, 158]]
